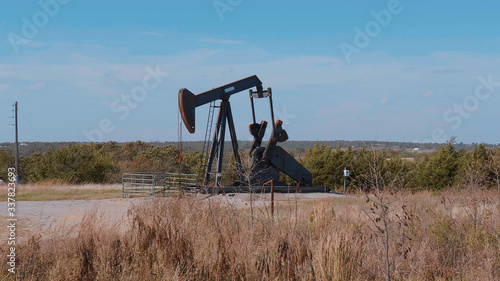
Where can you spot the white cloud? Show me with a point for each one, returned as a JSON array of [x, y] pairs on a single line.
[[4, 87], [324, 85], [5, 73], [88, 72], [220, 41], [36, 86], [428, 94], [152, 33], [107, 91], [348, 108]]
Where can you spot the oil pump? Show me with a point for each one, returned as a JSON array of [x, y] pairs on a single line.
[[267, 161]]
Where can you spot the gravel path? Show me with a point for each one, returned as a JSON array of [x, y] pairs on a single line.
[[39, 216], [42, 216]]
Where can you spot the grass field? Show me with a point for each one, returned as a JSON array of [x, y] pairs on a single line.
[[53, 191], [453, 235]]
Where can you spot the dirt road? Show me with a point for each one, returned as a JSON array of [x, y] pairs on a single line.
[[48, 216]]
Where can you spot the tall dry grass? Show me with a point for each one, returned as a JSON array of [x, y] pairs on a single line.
[[188, 239], [51, 190], [59, 186]]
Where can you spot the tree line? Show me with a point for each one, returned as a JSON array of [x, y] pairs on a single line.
[[79, 163], [437, 170], [98, 162]]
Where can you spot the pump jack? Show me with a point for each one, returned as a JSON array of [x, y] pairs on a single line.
[[266, 161]]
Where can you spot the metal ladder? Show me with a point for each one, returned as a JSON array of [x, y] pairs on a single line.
[[206, 143]]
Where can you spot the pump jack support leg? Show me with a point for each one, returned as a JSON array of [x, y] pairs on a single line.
[[214, 148], [222, 136], [234, 141]]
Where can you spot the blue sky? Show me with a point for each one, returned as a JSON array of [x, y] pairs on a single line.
[[428, 70]]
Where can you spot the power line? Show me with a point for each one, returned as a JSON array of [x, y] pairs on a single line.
[[29, 124]]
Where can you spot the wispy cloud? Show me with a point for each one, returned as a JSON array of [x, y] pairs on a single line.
[[4, 87], [108, 91], [449, 71], [428, 94], [152, 33], [7, 73], [36, 86], [220, 41], [349, 95]]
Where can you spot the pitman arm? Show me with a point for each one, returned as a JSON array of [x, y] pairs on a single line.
[[282, 160]]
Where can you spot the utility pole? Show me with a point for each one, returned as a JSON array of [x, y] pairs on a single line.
[[17, 144]]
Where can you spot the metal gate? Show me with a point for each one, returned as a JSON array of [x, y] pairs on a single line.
[[148, 184]]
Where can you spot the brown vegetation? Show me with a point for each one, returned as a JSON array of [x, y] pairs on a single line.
[[51, 190], [451, 235]]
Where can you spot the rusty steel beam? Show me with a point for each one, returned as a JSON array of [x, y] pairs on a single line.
[[189, 101]]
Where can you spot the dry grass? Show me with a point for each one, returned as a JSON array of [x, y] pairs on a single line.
[[449, 236], [56, 190]]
